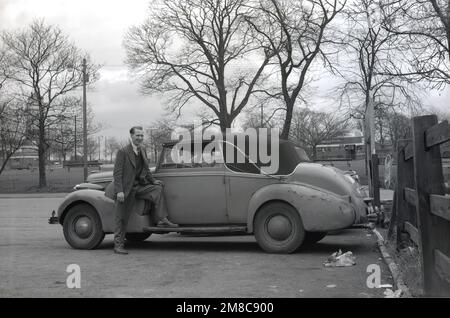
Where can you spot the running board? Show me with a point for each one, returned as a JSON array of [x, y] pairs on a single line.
[[196, 229]]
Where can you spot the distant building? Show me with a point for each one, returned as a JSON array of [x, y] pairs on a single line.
[[26, 157], [347, 145]]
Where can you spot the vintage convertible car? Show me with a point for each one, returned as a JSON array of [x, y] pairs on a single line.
[[298, 204]]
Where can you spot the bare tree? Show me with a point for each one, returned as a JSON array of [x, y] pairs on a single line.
[[296, 31], [45, 62], [398, 127], [157, 133], [13, 129], [369, 50], [62, 133], [111, 146], [200, 51], [3, 70], [370, 87], [310, 128], [424, 26], [92, 147], [257, 118]]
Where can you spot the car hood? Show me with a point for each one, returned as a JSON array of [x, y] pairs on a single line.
[[328, 178], [107, 176], [100, 177]]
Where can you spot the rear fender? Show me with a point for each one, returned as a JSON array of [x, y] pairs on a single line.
[[320, 210]]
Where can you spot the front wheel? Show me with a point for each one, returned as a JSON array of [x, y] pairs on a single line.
[[279, 228], [83, 228]]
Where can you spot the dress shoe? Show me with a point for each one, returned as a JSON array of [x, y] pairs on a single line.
[[120, 250], [166, 223]]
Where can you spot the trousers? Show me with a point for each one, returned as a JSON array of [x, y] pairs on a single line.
[[153, 193]]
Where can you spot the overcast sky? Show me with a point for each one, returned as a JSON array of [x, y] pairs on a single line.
[[98, 26]]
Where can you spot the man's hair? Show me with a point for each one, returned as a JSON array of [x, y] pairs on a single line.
[[134, 128]]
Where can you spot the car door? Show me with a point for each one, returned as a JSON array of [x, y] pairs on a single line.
[[195, 192], [242, 181]]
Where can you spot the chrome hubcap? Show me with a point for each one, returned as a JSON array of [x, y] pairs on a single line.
[[279, 227], [83, 227]]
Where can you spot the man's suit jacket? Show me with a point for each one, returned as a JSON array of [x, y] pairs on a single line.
[[125, 170]]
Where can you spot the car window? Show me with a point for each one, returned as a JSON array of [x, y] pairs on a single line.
[[246, 167], [182, 156]]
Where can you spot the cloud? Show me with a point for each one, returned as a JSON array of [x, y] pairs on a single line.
[[119, 105], [96, 26]]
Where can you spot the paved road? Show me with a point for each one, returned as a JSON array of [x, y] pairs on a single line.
[[34, 257]]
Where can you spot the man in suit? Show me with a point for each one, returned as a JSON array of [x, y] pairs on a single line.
[[132, 177]]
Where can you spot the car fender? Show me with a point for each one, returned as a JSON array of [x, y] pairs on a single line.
[[103, 205], [139, 218], [320, 210]]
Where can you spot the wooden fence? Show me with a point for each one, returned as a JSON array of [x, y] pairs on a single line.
[[422, 208]]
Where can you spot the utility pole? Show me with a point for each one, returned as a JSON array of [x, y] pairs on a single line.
[[369, 131], [75, 138], [99, 147], [85, 79], [262, 115], [106, 151], [369, 138]]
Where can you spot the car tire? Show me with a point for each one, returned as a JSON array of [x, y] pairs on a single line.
[[278, 228], [137, 237], [313, 237], [82, 227]]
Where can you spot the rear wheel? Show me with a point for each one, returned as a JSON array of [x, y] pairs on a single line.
[[279, 228], [82, 227], [137, 237]]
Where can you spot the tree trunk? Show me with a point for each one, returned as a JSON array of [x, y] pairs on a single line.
[[3, 152], [42, 157], [5, 161], [314, 151], [224, 124], [287, 120]]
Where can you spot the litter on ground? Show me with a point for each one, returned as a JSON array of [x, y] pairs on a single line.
[[388, 293], [339, 259]]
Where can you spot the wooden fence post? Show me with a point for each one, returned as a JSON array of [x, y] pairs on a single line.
[[433, 230], [405, 179]]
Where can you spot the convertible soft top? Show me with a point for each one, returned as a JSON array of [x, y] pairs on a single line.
[[290, 154]]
